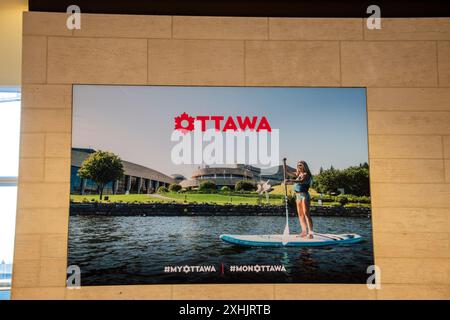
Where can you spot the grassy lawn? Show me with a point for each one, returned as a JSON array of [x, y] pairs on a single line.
[[142, 198], [177, 197], [279, 190], [220, 199]]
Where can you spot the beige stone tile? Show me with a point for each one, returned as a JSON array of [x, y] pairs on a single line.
[[154, 292], [447, 170], [43, 195], [25, 273], [315, 29], [32, 145], [57, 170], [412, 245], [429, 195], [52, 272], [27, 247], [47, 96], [391, 122], [407, 170], [223, 292], [46, 120], [54, 245], [414, 270], [413, 292], [58, 145], [389, 64], [31, 169], [229, 28], [34, 59], [399, 99], [45, 23], [411, 220], [97, 60], [42, 221], [405, 146], [48, 293], [446, 141], [410, 29], [292, 63], [123, 25], [323, 291], [195, 62], [444, 63]]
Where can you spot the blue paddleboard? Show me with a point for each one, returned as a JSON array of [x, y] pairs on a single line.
[[276, 240]]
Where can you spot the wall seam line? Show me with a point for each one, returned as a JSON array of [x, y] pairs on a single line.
[[147, 64], [437, 62], [363, 27], [340, 66], [245, 62], [46, 59], [443, 158]]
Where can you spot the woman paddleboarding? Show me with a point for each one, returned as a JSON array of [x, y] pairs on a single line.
[[302, 181]]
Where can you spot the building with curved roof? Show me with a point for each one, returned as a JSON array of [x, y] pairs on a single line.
[[229, 176], [136, 178]]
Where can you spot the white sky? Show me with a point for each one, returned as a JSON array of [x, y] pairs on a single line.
[[323, 126], [9, 163]]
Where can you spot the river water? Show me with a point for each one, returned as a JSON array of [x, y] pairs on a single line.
[[135, 250]]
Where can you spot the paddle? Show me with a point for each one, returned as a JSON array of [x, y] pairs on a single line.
[[285, 238]]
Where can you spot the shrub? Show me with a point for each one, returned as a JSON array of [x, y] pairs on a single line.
[[162, 189], [335, 204], [324, 198], [291, 200], [363, 199], [207, 186], [225, 189], [354, 180], [175, 187], [245, 185], [342, 199]]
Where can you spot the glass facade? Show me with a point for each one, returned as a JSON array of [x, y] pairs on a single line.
[[90, 186], [75, 181], [135, 184]]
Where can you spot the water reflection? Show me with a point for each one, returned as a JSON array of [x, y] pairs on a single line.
[[134, 250]]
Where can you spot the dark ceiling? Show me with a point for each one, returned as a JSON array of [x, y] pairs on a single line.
[[272, 8]]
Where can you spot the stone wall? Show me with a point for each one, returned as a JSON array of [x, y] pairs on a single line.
[[177, 209], [405, 67]]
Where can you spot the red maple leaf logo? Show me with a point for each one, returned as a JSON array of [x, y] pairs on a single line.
[[180, 122]]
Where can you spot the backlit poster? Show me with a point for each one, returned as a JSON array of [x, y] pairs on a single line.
[[183, 185]]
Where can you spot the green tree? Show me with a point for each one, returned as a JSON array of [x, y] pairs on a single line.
[[207, 186], [357, 180], [162, 189], [245, 185], [174, 187], [354, 180], [101, 167], [328, 181]]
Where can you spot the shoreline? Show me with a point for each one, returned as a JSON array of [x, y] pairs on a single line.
[[180, 209]]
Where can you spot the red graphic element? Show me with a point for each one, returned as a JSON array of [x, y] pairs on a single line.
[[183, 118], [223, 269], [185, 123]]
